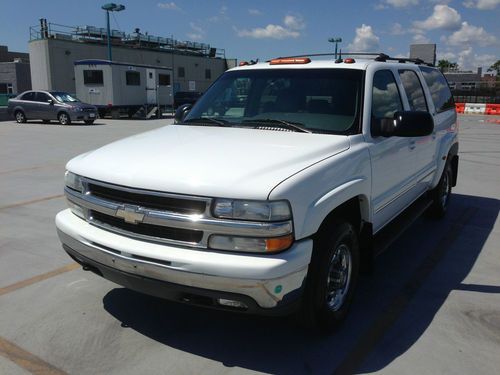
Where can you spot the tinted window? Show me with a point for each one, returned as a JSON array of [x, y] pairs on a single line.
[[28, 96], [413, 89], [41, 97], [92, 77], [133, 78], [322, 100], [163, 79], [385, 95], [438, 86]]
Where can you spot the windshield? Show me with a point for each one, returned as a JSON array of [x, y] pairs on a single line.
[[318, 100], [64, 97]]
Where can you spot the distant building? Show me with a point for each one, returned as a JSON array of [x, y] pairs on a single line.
[[425, 52], [489, 80], [464, 80], [14, 71], [53, 50]]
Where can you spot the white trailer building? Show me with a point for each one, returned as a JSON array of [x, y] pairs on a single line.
[[122, 87]]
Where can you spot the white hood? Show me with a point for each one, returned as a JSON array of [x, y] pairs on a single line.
[[207, 161]]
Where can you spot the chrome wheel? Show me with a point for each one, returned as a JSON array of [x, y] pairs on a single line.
[[20, 117], [339, 277], [63, 119]]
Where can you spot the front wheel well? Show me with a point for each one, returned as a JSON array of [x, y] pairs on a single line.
[[350, 211]]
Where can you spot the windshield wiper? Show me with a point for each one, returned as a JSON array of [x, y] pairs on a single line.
[[206, 120], [295, 126]]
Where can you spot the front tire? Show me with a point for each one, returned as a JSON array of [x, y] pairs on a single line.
[[20, 117], [64, 118], [441, 194], [332, 277]]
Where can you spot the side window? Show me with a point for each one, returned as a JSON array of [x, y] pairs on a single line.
[[385, 95], [28, 96], [93, 77], [41, 97], [414, 90], [438, 86], [163, 79], [133, 78]]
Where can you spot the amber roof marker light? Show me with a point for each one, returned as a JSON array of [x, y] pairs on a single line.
[[290, 61]]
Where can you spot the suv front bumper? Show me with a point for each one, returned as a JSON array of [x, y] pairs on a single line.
[[266, 284]]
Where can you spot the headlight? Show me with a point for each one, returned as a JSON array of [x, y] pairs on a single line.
[[250, 244], [252, 210], [77, 109], [73, 181]]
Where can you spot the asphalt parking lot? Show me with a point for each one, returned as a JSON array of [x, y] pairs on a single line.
[[431, 306]]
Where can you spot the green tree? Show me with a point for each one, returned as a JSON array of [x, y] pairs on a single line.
[[495, 68], [446, 65]]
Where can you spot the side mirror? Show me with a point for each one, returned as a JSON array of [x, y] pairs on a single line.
[[181, 112], [50, 101], [405, 124]]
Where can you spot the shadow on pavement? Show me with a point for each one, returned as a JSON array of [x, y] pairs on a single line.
[[277, 345]]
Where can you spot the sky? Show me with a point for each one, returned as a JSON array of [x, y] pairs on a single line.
[[465, 31]]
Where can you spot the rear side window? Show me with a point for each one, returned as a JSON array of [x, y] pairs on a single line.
[[438, 86], [28, 96], [133, 78], [414, 90], [92, 77], [385, 95]]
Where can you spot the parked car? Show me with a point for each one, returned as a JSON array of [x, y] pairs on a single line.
[[186, 97], [51, 105], [274, 202]]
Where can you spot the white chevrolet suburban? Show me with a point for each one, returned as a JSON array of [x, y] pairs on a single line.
[[273, 191]]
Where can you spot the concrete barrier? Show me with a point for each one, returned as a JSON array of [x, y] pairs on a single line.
[[475, 108]]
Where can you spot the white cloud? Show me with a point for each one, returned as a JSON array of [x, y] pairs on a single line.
[[269, 32], [365, 40], [254, 12], [294, 22], [481, 4], [169, 6], [289, 29], [197, 33], [222, 15], [469, 35], [401, 3], [420, 39], [443, 17], [397, 29]]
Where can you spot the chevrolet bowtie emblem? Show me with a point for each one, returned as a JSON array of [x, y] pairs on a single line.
[[130, 214]]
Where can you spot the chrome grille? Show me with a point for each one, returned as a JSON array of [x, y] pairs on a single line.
[[162, 217]]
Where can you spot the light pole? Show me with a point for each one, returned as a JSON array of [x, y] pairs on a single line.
[[111, 7], [336, 41]]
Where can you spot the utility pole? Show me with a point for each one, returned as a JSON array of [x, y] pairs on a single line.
[[336, 41], [111, 7]]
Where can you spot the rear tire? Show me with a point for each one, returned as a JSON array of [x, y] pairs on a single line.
[[64, 118], [332, 277], [20, 117], [441, 194], [89, 122]]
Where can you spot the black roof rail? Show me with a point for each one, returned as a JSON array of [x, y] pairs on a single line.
[[377, 56]]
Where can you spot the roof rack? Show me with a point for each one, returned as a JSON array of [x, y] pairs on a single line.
[[377, 56]]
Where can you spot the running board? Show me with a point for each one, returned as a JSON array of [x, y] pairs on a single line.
[[392, 231]]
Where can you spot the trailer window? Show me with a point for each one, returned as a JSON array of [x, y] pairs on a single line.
[[92, 77], [133, 78], [208, 74], [181, 72], [164, 79]]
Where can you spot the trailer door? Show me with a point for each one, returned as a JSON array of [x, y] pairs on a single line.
[[151, 86]]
